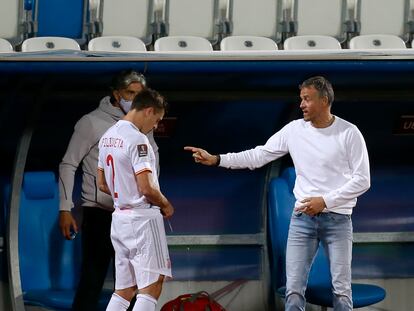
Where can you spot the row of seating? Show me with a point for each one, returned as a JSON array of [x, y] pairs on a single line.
[[213, 20], [190, 43]]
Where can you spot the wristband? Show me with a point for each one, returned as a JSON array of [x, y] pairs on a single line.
[[218, 158]]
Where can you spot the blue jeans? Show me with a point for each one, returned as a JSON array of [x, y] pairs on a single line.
[[334, 231]]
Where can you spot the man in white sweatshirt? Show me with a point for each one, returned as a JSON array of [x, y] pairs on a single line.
[[332, 169]]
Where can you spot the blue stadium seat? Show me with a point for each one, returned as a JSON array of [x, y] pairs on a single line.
[[49, 264], [60, 18], [280, 206]]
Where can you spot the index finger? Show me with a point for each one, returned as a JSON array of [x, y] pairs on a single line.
[[192, 149]]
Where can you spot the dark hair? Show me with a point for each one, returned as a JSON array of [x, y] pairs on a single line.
[[322, 85], [123, 79], [149, 98]]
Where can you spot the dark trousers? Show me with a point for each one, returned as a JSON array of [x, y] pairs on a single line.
[[97, 252]]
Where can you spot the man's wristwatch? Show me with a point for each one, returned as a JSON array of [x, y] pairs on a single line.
[[218, 158]]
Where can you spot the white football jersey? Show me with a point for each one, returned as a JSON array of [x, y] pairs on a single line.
[[123, 153]]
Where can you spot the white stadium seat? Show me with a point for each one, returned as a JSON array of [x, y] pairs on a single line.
[[192, 18], [5, 46], [9, 19], [117, 44], [320, 17], [312, 43], [182, 44], [39, 44], [247, 43], [254, 18], [377, 42], [128, 18], [382, 17]]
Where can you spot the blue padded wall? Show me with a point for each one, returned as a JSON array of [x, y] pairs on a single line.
[[216, 200]]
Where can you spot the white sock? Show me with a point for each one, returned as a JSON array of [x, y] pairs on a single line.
[[117, 303], [145, 303]]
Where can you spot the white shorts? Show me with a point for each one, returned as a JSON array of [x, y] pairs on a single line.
[[141, 252]]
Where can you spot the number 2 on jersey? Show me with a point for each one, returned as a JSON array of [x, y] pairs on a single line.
[[110, 162]]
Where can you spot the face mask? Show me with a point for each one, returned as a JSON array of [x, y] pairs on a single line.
[[125, 105]]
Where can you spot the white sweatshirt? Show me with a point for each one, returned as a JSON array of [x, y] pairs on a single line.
[[331, 162]]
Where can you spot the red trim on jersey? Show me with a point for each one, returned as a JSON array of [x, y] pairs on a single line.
[[142, 171]]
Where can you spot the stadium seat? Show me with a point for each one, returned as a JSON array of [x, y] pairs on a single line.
[[61, 18], [49, 264], [247, 43], [49, 44], [377, 42], [182, 44], [199, 18], [247, 17], [319, 290], [5, 46], [10, 19], [383, 17], [311, 43], [117, 44], [311, 20], [131, 18]]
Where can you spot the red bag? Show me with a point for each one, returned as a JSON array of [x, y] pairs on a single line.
[[200, 301]]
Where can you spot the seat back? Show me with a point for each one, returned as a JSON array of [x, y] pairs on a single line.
[[377, 42], [280, 207], [383, 17], [247, 43], [311, 20], [182, 44], [281, 202], [5, 46], [247, 17], [47, 260], [49, 44], [198, 18], [127, 18], [61, 18], [311, 43], [10, 17], [117, 44]]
